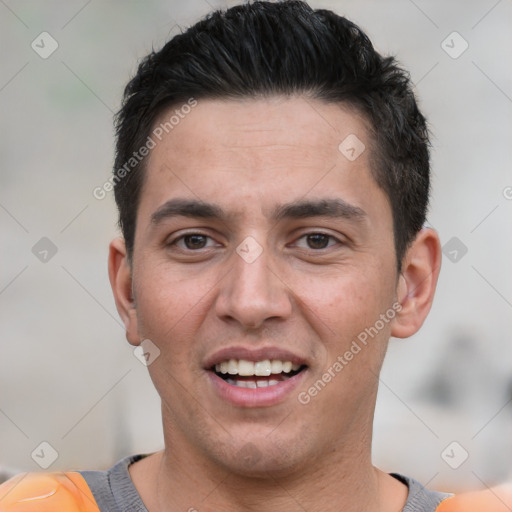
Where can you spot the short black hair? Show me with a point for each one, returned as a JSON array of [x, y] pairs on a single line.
[[263, 49]]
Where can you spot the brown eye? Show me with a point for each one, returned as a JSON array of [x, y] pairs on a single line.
[[318, 241], [195, 241], [193, 244]]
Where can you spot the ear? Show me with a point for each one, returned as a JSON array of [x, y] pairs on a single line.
[[417, 283], [119, 272]]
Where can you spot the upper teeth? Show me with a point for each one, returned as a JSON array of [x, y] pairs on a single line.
[[260, 368]]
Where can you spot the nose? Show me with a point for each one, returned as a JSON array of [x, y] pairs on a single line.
[[253, 292]]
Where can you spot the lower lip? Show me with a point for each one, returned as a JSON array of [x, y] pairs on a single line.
[[259, 397]]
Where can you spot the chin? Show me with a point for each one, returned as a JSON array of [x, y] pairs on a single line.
[[265, 460]]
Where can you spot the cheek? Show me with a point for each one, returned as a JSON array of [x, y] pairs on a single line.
[[169, 304], [345, 312], [171, 307], [346, 304]]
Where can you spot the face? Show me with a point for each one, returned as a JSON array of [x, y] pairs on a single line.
[[263, 257]]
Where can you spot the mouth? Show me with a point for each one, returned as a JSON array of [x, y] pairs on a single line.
[[248, 377], [243, 373]]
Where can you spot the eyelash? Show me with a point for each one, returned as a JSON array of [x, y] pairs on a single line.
[[305, 235]]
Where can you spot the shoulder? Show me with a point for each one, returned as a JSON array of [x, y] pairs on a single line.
[[419, 498], [497, 499], [47, 492]]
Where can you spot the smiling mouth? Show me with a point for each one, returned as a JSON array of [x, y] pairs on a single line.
[[260, 374]]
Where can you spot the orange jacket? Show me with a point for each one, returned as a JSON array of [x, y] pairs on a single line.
[[69, 492], [47, 492], [497, 499]]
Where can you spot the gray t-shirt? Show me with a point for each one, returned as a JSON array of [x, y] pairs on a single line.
[[114, 490]]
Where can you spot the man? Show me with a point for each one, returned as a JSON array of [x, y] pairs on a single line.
[[272, 180]]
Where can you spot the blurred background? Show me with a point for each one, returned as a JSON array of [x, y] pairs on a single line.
[[72, 394]]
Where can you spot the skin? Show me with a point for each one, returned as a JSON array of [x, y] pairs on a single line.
[[248, 157]]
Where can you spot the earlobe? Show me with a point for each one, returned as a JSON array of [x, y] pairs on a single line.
[[120, 275], [417, 283]]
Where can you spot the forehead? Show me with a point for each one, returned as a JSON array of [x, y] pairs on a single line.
[[267, 127], [249, 152]]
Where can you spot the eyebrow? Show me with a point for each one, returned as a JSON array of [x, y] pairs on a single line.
[[334, 208], [187, 208]]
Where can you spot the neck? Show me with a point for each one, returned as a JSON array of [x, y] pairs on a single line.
[[341, 480], [347, 488]]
